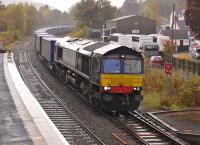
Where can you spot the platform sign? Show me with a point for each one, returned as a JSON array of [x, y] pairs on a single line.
[[135, 31], [168, 68]]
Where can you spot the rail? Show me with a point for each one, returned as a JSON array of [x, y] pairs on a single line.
[[146, 130]]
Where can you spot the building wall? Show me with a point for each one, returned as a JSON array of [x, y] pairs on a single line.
[[133, 25], [111, 24], [136, 25]]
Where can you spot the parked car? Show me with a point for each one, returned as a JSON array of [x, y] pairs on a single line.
[[195, 52], [156, 61]]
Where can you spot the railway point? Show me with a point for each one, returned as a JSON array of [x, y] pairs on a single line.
[[23, 121]]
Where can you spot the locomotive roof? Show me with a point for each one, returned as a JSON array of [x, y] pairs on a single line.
[[88, 47], [103, 50], [95, 46], [45, 35], [51, 38]]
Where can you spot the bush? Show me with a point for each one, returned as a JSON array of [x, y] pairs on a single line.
[[10, 37], [155, 81], [183, 94], [184, 56], [168, 47], [190, 93], [152, 100], [80, 32]]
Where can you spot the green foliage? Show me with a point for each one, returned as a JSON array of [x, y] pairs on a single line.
[[48, 17], [129, 7], [93, 13], [190, 92], [10, 36], [183, 94], [168, 47], [80, 32], [152, 100], [164, 7], [154, 81], [192, 16], [16, 22]]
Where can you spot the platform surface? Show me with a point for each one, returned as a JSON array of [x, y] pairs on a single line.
[[12, 131], [31, 123]]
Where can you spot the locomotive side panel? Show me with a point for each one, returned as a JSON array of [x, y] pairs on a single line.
[[37, 44], [69, 57], [46, 49]]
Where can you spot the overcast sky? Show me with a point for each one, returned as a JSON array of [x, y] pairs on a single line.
[[64, 5]]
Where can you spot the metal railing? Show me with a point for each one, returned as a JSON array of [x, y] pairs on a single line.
[[184, 65]]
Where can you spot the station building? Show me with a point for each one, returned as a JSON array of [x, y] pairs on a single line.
[[131, 24]]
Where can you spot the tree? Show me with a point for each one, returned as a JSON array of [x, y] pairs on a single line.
[[129, 7], [154, 12], [164, 7], [192, 16], [93, 13], [2, 7], [30, 19]]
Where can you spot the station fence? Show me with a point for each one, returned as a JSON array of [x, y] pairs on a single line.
[[182, 64]]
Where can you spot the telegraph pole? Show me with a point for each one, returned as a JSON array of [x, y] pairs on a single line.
[[173, 12], [103, 33], [169, 76]]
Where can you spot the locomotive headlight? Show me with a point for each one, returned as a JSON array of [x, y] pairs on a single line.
[[137, 89], [106, 88], [122, 56]]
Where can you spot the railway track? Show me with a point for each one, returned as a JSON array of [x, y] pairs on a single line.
[[75, 132], [146, 130]]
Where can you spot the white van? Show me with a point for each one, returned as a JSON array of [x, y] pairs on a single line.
[[139, 43]]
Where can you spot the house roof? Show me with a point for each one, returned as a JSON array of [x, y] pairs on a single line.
[[121, 18], [125, 17], [178, 34]]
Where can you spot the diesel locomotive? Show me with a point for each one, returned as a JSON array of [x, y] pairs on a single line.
[[109, 76]]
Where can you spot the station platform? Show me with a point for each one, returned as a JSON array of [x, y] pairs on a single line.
[[22, 119]]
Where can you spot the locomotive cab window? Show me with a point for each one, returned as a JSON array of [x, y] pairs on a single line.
[[111, 66], [122, 66], [133, 66], [95, 70], [96, 66]]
